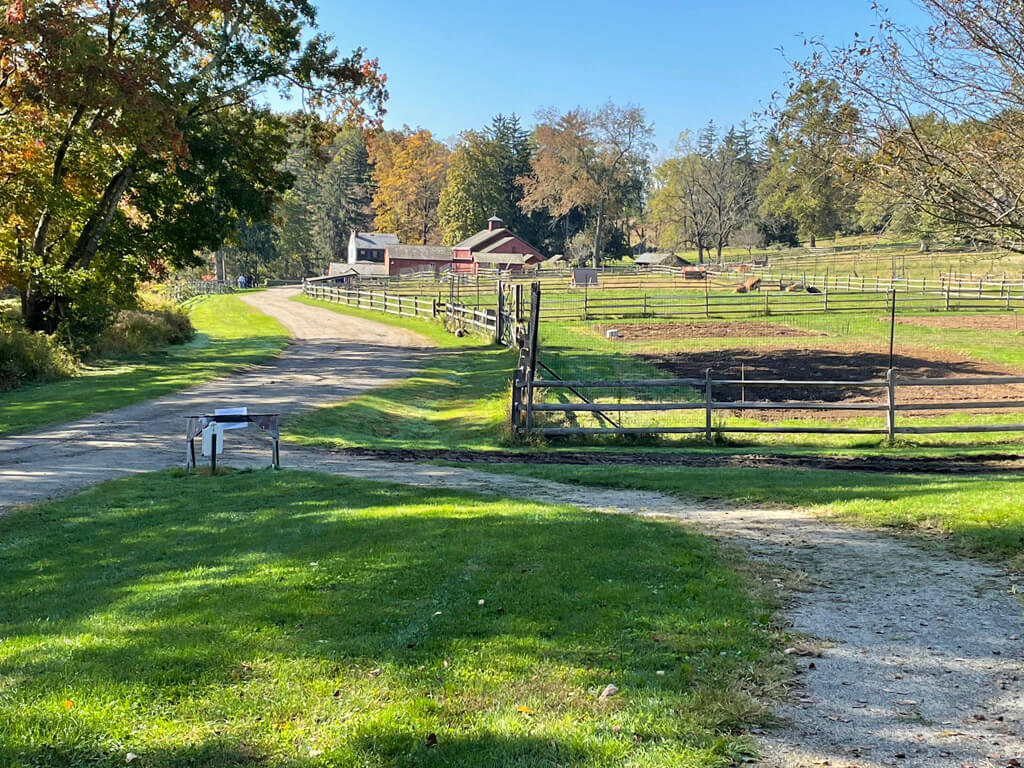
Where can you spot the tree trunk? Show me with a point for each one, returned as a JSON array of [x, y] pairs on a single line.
[[96, 225], [597, 236], [719, 254], [814, 242], [700, 253]]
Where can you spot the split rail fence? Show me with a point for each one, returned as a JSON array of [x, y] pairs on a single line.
[[532, 410], [593, 305], [610, 413], [500, 322]]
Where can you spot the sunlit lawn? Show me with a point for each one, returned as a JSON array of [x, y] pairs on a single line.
[[982, 515], [231, 334], [292, 619]]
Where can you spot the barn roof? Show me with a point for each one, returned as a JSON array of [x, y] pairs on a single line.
[[483, 237], [661, 259], [420, 252], [374, 239]]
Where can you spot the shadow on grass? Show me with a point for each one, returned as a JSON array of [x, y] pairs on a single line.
[[353, 607]]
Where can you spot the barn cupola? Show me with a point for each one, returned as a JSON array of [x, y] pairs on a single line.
[[494, 223]]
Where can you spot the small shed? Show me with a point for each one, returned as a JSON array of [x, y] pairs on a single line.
[[647, 260]]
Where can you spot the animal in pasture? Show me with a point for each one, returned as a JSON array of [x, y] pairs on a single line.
[[752, 284], [812, 289]]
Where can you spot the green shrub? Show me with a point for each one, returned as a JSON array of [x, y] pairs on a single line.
[[27, 356], [135, 331]]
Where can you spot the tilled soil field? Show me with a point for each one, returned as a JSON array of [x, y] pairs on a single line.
[[990, 322], [702, 330], [842, 363]]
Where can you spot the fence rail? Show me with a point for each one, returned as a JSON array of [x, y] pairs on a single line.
[[890, 385], [182, 290], [588, 306], [500, 323], [961, 285]]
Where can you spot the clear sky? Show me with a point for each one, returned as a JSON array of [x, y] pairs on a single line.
[[453, 65]]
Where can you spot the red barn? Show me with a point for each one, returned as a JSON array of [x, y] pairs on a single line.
[[496, 247], [415, 258]]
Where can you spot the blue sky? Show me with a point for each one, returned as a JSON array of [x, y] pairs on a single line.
[[452, 65]]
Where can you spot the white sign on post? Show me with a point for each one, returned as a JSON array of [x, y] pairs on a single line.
[[233, 412], [208, 432]]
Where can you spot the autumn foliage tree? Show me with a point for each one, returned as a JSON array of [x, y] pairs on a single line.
[[409, 173], [589, 160], [132, 137]]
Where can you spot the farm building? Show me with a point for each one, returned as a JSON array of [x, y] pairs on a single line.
[[496, 247], [414, 258], [343, 272], [647, 260], [369, 247]]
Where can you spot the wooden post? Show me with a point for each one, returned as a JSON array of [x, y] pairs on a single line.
[[890, 412], [824, 295], [707, 299], [707, 405], [213, 452], [500, 320], [277, 454], [531, 371]]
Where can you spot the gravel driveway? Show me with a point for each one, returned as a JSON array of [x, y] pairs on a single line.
[[332, 356]]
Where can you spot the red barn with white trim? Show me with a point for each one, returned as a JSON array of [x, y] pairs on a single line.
[[496, 247]]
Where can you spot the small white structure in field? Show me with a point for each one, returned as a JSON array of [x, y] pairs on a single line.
[[611, 333]]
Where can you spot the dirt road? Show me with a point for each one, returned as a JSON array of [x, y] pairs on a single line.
[[333, 356]]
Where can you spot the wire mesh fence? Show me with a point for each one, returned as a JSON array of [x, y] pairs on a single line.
[[887, 364]]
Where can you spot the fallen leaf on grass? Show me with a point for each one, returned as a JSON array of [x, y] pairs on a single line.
[[609, 691], [68, 703], [524, 710]]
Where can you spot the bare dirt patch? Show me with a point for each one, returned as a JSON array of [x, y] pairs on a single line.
[[843, 363], [702, 330], [989, 322]]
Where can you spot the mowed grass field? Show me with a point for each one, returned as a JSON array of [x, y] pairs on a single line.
[[231, 335], [294, 619], [977, 515]]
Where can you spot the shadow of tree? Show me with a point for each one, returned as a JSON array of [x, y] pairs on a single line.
[[277, 610]]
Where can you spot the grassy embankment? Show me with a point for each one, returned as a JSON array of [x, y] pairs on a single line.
[[231, 335], [459, 400], [302, 619]]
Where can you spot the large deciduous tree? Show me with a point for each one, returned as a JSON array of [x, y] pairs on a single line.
[[409, 173], [132, 134], [814, 130], [942, 115], [588, 160]]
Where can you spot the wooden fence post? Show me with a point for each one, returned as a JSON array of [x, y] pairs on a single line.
[[890, 411], [707, 405]]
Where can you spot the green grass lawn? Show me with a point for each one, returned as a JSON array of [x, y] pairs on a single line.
[[981, 515], [231, 335], [293, 619]]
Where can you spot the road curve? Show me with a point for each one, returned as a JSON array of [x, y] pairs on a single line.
[[332, 356]]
